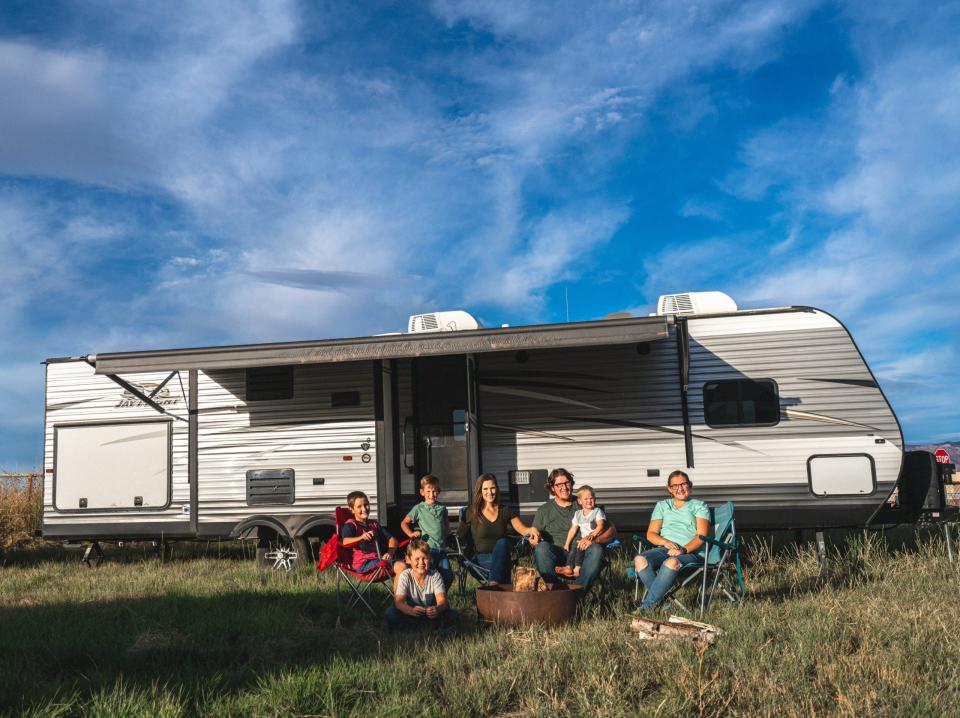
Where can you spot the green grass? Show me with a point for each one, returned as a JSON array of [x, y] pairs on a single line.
[[208, 634]]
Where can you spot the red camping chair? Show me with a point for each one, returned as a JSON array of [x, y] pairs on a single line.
[[359, 584]]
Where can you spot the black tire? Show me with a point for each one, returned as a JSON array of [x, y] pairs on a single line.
[[305, 552]]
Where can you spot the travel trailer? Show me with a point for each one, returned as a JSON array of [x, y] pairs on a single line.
[[774, 409]]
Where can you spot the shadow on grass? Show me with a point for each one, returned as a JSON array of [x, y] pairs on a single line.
[[229, 641], [127, 552]]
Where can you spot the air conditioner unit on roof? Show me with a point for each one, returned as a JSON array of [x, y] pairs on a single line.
[[696, 303], [442, 322]]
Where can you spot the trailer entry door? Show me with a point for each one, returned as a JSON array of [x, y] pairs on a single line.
[[446, 425], [110, 467]]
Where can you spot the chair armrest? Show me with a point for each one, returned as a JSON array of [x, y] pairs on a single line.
[[720, 544], [641, 542]]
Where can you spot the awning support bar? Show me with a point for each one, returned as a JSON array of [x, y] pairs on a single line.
[[163, 383], [683, 357], [143, 397]]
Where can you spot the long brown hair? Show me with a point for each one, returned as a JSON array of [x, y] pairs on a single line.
[[477, 506]]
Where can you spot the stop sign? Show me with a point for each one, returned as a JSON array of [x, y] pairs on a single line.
[[942, 456]]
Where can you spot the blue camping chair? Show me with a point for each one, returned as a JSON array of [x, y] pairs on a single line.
[[721, 559]]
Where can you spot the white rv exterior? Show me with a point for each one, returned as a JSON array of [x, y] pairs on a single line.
[[773, 409]]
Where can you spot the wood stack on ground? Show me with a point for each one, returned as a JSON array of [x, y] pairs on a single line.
[[676, 627]]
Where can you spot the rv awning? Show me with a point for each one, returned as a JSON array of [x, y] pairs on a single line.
[[540, 336]]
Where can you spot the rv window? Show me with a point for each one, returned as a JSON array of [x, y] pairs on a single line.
[[741, 402], [270, 383]]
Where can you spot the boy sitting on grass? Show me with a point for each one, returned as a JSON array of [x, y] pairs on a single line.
[[420, 598], [432, 525], [364, 537]]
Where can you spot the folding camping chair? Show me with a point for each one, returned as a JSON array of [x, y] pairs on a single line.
[[357, 587], [721, 556], [605, 577], [463, 557]]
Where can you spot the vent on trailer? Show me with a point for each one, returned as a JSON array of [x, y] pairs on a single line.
[[454, 321], [696, 303]]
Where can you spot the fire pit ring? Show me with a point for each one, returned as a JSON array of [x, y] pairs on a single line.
[[502, 605]]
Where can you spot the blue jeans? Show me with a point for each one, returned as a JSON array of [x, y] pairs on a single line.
[[497, 561], [439, 561], [367, 565], [547, 556], [658, 582]]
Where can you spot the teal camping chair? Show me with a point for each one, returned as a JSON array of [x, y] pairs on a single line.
[[721, 560]]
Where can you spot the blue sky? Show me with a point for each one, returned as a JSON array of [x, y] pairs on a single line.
[[191, 174]]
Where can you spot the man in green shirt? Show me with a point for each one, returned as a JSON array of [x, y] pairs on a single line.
[[552, 522]]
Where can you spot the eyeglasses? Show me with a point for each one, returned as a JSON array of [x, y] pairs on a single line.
[[685, 484], [561, 484]]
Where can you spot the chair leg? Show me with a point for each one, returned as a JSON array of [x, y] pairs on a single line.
[[716, 580], [703, 587]]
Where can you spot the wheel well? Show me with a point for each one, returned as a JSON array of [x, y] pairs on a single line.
[[317, 527], [266, 527]]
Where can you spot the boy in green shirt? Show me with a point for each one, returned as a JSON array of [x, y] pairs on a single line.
[[428, 520]]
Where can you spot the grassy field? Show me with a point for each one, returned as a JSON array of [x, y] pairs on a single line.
[[206, 633]]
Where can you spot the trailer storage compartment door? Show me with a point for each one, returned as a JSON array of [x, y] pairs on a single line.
[[842, 474], [116, 466]]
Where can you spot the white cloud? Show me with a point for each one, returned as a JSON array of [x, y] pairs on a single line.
[[558, 242], [267, 144], [882, 168]]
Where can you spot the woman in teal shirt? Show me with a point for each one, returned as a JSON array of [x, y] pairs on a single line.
[[675, 530]]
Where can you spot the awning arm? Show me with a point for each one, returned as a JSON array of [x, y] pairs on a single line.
[[683, 357], [162, 384], [143, 397]]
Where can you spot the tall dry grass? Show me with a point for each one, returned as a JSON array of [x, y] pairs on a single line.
[[21, 511], [208, 634]]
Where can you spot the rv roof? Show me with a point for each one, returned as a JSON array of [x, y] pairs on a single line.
[[608, 331]]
